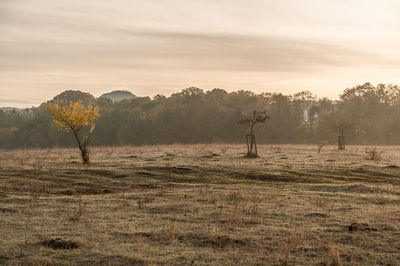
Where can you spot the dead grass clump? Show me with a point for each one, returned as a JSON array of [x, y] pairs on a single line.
[[232, 216], [206, 194], [390, 227], [22, 156], [38, 260], [373, 154], [332, 257], [252, 206], [251, 211], [319, 202], [39, 161], [171, 232], [143, 201], [79, 212], [235, 197], [387, 218], [120, 260], [285, 254], [321, 144], [239, 209], [295, 239]]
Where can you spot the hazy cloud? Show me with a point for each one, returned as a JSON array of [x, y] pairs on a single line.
[[173, 50], [47, 46]]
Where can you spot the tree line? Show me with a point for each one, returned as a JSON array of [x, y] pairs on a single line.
[[366, 114]]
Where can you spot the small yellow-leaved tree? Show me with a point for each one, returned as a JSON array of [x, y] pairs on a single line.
[[78, 119]]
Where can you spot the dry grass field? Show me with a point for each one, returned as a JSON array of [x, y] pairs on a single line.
[[200, 205]]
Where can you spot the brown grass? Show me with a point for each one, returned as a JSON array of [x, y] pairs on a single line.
[[200, 204]]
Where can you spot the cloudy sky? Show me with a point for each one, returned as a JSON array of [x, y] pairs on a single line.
[[162, 46]]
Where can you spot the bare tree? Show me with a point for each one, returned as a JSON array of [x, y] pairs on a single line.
[[341, 127], [251, 120]]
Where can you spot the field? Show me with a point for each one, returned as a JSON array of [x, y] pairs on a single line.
[[201, 204]]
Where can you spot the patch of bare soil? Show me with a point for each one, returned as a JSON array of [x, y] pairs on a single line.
[[356, 227], [58, 243], [220, 241]]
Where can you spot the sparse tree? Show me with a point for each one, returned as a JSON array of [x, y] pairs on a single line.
[[78, 119], [251, 121], [341, 127]]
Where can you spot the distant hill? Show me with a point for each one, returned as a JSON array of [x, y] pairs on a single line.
[[118, 95], [74, 96]]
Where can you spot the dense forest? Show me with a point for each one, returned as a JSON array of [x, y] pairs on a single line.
[[366, 114]]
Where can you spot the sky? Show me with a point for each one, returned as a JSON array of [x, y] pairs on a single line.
[[163, 46]]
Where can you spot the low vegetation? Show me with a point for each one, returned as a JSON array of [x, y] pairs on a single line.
[[201, 205]]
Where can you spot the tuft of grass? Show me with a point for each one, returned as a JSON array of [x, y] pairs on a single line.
[[373, 154], [332, 257], [171, 231], [79, 212], [38, 260]]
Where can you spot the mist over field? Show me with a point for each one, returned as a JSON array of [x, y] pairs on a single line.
[[367, 114]]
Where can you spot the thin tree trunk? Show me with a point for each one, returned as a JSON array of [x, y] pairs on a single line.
[[85, 154], [82, 148]]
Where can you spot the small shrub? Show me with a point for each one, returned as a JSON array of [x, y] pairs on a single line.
[[373, 154], [321, 145]]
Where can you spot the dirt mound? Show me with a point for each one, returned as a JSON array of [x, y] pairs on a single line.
[[216, 241], [354, 188], [58, 243], [392, 166], [317, 214], [356, 227], [250, 155], [212, 155]]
